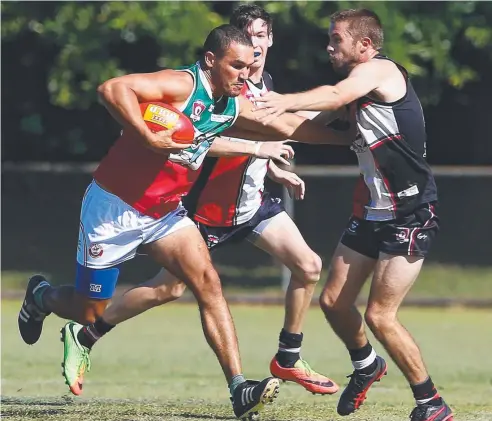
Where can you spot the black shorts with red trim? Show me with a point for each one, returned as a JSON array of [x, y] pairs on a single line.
[[218, 236], [410, 235]]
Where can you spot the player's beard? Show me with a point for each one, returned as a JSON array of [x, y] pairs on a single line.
[[343, 68]]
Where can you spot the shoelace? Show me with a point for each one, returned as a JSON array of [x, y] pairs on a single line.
[[357, 383], [87, 362], [307, 367], [357, 379], [85, 366]]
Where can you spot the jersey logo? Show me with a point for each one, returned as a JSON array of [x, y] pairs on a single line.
[[95, 287], [95, 251], [212, 240], [353, 227], [411, 191], [403, 235], [220, 118], [197, 109]]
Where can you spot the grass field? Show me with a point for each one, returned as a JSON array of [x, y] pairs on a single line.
[[434, 282], [159, 367]]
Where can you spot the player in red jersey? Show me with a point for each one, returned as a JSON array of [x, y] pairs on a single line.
[[229, 204], [134, 201]]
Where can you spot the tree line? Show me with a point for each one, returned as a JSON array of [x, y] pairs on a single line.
[[55, 54]]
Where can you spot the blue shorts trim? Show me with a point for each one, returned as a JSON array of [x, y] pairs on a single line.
[[98, 284]]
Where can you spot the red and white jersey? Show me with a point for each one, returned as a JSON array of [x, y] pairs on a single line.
[[153, 183], [232, 193]]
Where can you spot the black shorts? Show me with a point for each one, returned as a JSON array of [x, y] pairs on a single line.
[[410, 235], [218, 236]]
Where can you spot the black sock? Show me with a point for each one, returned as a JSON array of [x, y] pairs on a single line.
[[89, 334], [289, 347], [426, 393], [360, 356]]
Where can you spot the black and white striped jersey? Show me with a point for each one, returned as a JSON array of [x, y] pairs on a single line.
[[391, 150]]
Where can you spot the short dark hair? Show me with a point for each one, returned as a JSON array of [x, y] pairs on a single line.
[[221, 37], [362, 23], [244, 15]]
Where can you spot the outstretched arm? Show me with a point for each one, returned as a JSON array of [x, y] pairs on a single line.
[[363, 79], [278, 151], [286, 126]]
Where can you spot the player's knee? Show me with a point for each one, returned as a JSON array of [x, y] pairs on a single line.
[[379, 321], [310, 268], [330, 302], [209, 289], [212, 281]]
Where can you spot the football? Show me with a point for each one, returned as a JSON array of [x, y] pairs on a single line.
[[159, 116]]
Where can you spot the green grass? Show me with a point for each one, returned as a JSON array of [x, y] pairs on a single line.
[[434, 282], [159, 367]]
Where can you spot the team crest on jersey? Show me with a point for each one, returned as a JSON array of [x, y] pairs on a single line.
[[403, 235], [95, 251], [197, 109], [212, 240], [353, 227]]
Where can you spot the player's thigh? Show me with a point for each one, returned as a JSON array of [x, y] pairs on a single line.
[[185, 254], [347, 273], [280, 237], [393, 277], [403, 245], [351, 264]]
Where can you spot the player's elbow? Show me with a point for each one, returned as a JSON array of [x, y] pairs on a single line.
[[285, 133], [285, 130], [103, 90], [106, 90]]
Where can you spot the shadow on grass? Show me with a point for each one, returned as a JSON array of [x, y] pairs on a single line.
[[8, 400], [206, 417]]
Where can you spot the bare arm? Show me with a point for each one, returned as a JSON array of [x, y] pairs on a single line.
[[278, 151], [289, 126], [222, 146], [122, 95], [363, 79], [236, 131], [294, 184]]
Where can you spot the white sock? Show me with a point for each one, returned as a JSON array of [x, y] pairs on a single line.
[[366, 362]]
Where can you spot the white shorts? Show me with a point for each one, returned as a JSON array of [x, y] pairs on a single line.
[[111, 230]]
